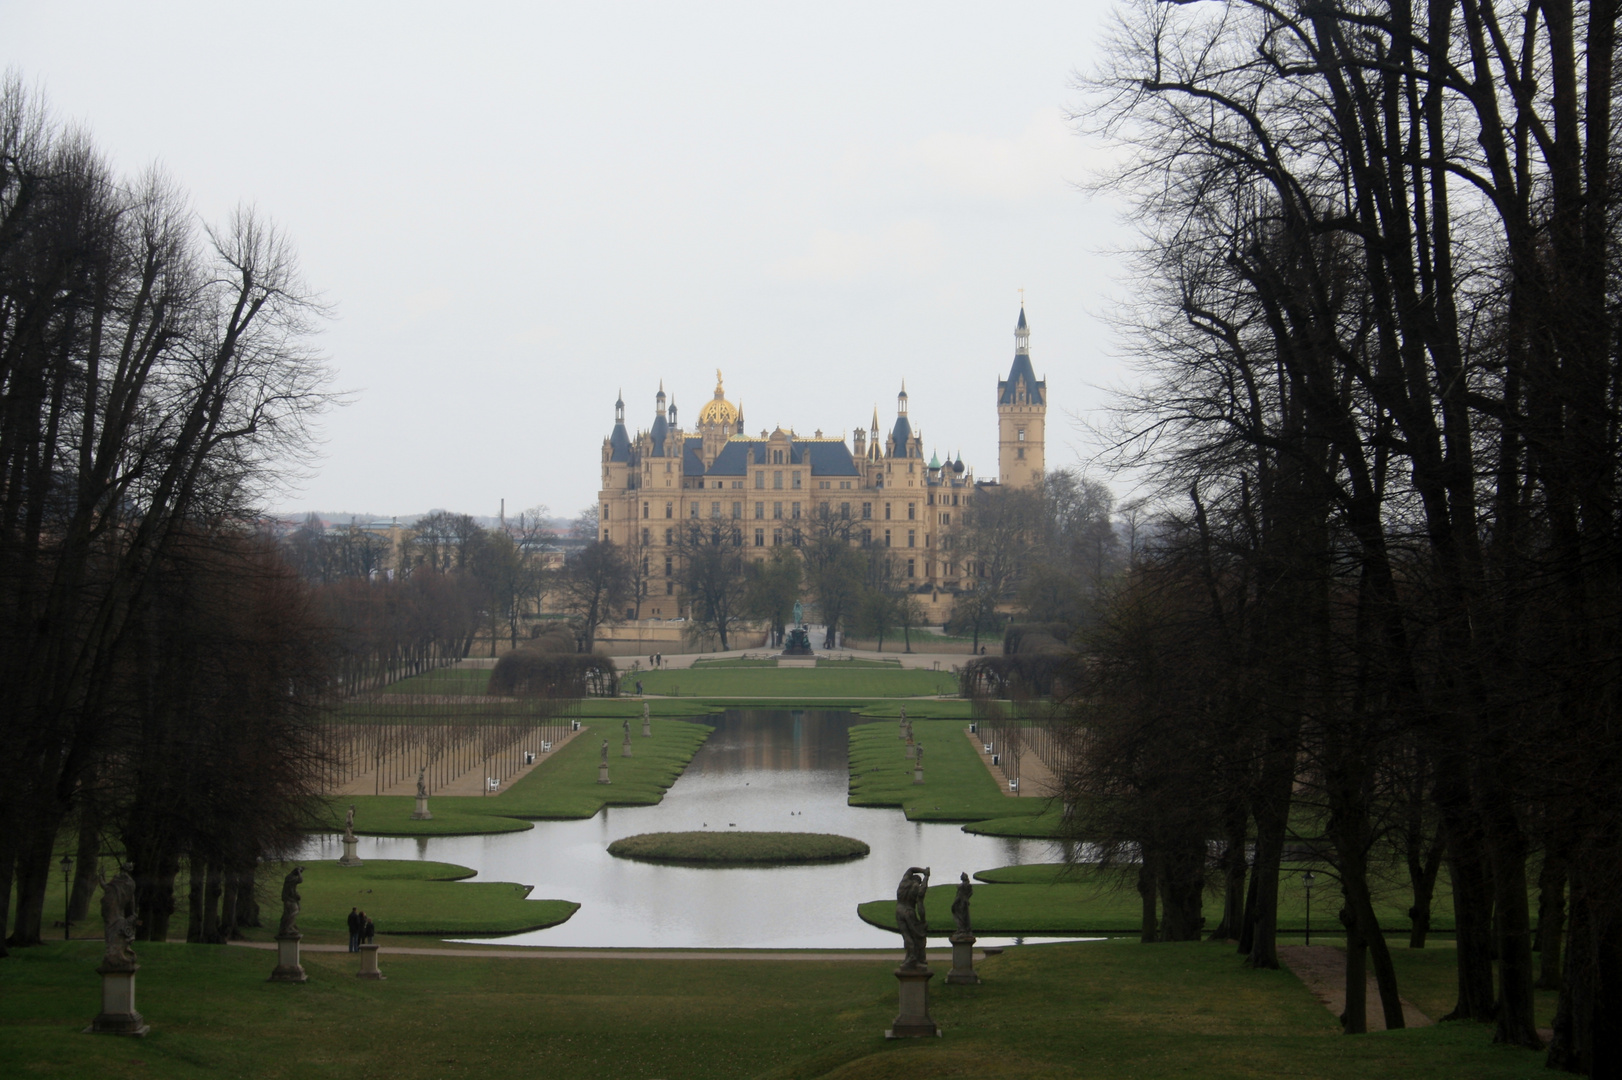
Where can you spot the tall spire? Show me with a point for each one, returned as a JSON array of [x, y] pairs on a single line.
[[1022, 333], [901, 400]]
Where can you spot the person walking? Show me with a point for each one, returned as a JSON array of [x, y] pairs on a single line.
[[354, 930], [368, 928]]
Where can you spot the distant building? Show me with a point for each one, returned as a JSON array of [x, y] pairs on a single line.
[[781, 487]]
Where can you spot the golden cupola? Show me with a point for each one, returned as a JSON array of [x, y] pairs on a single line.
[[718, 412]]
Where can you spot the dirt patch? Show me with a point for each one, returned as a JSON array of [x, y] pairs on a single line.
[[1322, 969]]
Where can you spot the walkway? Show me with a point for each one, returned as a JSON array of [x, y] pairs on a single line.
[[1036, 780], [943, 959], [470, 783], [1322, 969]]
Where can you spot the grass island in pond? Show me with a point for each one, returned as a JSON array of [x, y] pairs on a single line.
[[738, 848]]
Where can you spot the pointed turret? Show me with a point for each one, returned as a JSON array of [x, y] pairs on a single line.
[[1021, 415]]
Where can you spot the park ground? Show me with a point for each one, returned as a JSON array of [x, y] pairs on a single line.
[[1103, 1010]]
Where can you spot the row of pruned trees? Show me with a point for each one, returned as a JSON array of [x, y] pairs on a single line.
[[1380, 338], [160, 666]]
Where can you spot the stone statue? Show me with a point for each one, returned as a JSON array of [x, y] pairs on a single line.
[[118, 919], [644, 710], [290, 902], [626, 725], [605, 751], [960, 904], [918, 756], [422, 788], [910, 918], [349, 823]]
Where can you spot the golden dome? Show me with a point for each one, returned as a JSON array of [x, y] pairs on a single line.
[[718, 410]]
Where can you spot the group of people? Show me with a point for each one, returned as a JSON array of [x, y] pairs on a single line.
[[656, 660], [361, 929]]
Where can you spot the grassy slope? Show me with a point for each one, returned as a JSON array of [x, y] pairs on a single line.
[[733, 848], [956, 787], [835, 681], [1104, 1010], [565, 786]]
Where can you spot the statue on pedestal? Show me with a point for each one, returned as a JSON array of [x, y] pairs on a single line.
[[422, 788], [605, 753], [960, 904], [290, 902], [118, 919], [349, 823], [910, 917]]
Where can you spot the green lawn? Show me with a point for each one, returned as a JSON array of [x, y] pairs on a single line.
[[957, 786], [563, 786], [833, 681], [444, 681], [407, 897], [1051, 898], [1103, 1010], [732, 848]]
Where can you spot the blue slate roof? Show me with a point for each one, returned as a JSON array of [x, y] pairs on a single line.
[[1022, 367], [902, 434], [619, 444], [825, 458], [660, 429], [692, 462]]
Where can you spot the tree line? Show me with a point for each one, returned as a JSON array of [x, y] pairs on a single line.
[[1381, 405], [161, 667]]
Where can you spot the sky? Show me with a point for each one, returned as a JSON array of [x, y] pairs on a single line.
[[519, 211]]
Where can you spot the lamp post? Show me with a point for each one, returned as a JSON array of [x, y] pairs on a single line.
[[67, 893], [1308, 880]]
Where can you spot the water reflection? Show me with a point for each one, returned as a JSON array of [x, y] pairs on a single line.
[[761, 769]]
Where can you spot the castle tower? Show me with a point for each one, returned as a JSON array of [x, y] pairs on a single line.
[[1022, 406]]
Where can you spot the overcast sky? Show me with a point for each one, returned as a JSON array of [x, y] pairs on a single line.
[[518, 210]]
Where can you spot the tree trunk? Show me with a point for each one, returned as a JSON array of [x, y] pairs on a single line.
[[8, 863], [1271, 813], [1472, 898], [1517, 1023], [198, 875], [211, 906], [1354, 1020], [1422, 878], [1150, 928], [1247, 924], [33, 872], [87, 871], [1233, 866], [1551, 919], [157, 905]]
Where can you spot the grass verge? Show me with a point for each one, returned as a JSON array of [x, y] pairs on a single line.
[[409, 897], [563, 786], [1104, 1010], [738, 848], [846, 680], [956, 787]]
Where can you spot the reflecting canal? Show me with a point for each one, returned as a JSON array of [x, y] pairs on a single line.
[[760, 769]]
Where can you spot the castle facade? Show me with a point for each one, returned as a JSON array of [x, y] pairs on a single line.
[[780, 487]]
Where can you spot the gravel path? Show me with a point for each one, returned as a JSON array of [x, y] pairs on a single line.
[[1322, 969]]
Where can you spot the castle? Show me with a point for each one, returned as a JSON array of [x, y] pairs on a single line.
[[781, 487]]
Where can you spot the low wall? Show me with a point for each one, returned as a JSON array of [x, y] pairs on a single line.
[[667, 636]]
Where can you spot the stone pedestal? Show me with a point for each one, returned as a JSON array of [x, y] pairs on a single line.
[[368, 964], [118, 1015], [625, 747], [913, 1022], [349, 857], [647, 728], [288, 968], [422, 813], [912, 749], [963, 959], [602, 773], [918, 775]]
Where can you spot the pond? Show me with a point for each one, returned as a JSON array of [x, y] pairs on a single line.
[[777, 770]]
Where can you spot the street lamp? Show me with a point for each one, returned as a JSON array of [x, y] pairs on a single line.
[[1309, 881], [67, 893]]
